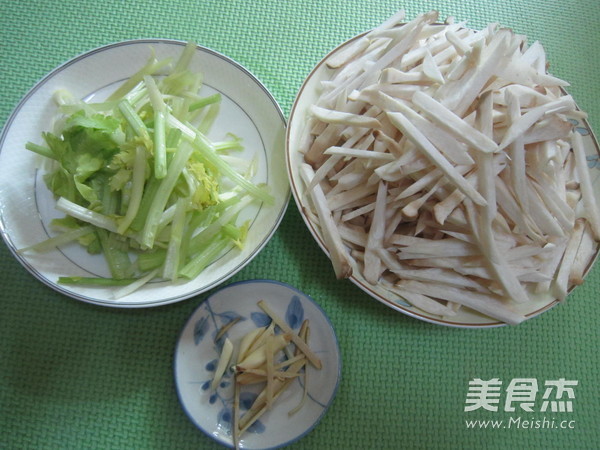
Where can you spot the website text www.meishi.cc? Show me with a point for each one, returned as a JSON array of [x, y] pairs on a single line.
[[522, 423]]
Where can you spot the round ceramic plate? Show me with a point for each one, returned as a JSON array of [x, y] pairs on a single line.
[[306, 97], [197, 353], [248, 110]]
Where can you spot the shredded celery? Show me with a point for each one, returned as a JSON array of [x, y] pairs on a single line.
[[141, 183]]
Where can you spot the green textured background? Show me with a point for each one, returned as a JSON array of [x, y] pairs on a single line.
[[74, 375]]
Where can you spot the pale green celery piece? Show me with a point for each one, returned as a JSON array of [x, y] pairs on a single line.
[[190, 96], [173, 137], [125, 200], [117, 259], [231, 231], [108, 197], [209, 118], [159, 134], [64, 97], [214, 228], [135, 285], [156, 97], [205, 101], [138, 96], [65, 101], [237, 233], [186, 129], [224, 146], [166, 218], [177, 83], [137, 189], [150, 190], [163, 193], [205, 256], [152, 66], [185, 57], [206, 153], [151, 260], [178, 108], [113, 248], [160, 148], [171, 266], [96, 107], [200, 220], [242, 165], [58, 240], [40, 150], [95, 281], [86, 215], [136, 123]]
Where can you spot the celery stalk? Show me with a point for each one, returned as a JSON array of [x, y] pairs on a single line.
[[151, 67], [137, 189], [157, 207], [185, 57], [135, 121], [135, 285], [85, 214], [200, 239], [205, 101], [95, 281], [227, 145], [173, 250], [209, 118], [151, 260], [117, 259], [205, 257], [160, 111], [40, 150], [206, 153], [58, 240]]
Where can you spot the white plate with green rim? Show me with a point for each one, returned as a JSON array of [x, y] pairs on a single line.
[[248, 110]]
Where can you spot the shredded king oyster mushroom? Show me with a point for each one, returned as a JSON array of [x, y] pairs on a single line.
[[440, 164]]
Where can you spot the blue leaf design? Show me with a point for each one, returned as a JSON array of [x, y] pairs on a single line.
[[212, 399], [260, 319], [200, 329], [211, 366], [295, 313], [593, 161], [205, 385], [257, 427], [583, 131], [247, 399], [400, 301], [228, 316], [224, 418]]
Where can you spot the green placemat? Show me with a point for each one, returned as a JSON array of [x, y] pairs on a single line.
[[74, 375]]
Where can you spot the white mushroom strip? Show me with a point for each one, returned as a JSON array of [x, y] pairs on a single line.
[[358, 153], [337, 250], [373, 269], [488, 304], [452, 123], [436, 158], [422, 302]]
